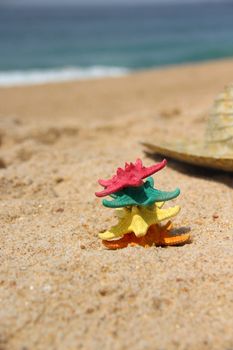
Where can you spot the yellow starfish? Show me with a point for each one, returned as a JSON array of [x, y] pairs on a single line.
[[138, 219]]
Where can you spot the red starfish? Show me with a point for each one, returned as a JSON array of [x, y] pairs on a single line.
[[156, 235], [132, 175]]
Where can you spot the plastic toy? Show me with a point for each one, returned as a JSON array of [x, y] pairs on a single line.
[[139, 207], [132, 175]]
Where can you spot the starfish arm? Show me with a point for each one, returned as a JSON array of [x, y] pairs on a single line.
[[153, 169], [142, 219], [112, 189], [150, 201], [119, 202], [162, 196], [111, 234], [165, 214], [118, 230], [139, 226], [176, 240], [108, 190], [105, 183]]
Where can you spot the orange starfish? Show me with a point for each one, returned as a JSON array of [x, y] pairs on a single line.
[[157, 235]]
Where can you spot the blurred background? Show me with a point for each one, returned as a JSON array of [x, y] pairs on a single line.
[[55, 40]]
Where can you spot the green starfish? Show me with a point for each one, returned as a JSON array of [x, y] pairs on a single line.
[[145, 195]]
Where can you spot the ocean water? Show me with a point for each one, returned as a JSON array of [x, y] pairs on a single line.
[[57, 43]]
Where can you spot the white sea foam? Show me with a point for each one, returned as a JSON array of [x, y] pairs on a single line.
[[42, 76]]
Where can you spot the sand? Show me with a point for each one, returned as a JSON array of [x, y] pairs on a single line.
[[59, 287]]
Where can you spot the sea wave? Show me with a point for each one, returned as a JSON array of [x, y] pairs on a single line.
[[42, 76]]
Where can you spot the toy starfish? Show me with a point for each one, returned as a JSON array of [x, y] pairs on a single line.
[[138, 220], [156, 236], [139, 209], [132, 175], [144, 195]]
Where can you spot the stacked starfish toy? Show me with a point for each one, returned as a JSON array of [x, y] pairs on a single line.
[[139, 209]]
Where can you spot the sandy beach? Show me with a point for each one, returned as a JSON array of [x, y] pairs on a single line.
[[59, 287]]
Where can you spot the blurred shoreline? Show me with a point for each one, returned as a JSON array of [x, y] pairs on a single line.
[[43, 76], [73, 75]]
